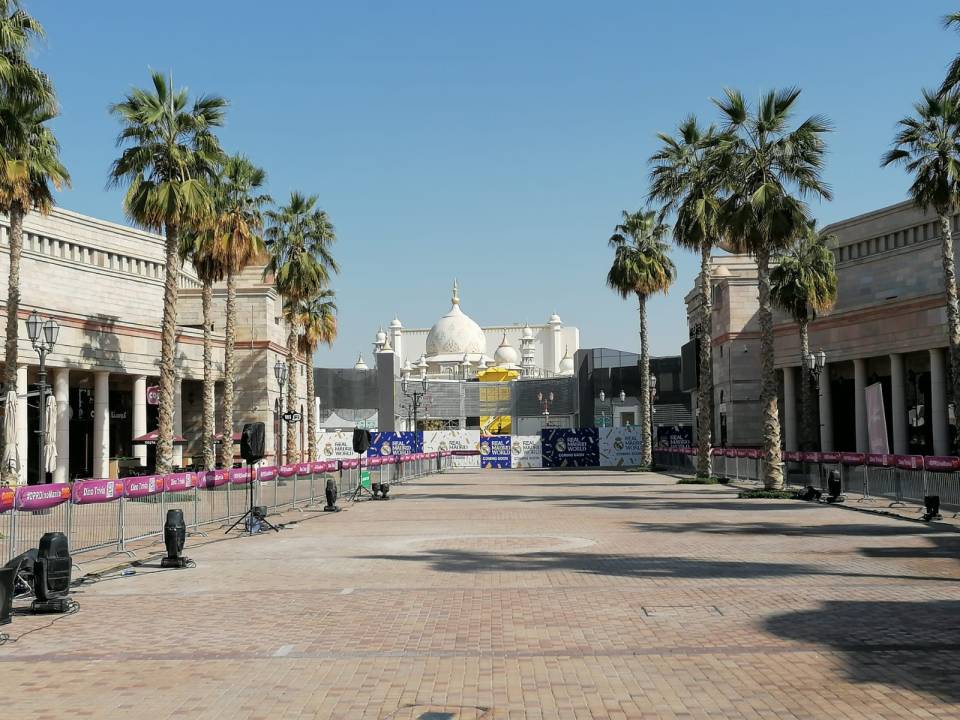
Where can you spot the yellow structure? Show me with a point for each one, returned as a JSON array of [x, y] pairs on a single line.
[[496, 394]]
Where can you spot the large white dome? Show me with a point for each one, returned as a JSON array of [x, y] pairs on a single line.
[[455, 333], [506, 354]]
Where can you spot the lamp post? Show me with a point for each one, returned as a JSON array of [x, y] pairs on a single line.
[[545, 400], [280, 373], [815, 363], [43, 336], [416, 397], [653, 396]]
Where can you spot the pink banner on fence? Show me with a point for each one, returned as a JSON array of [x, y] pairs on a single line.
[[267, 473], [941, 463], [239, 476], [348, 464], [303, 469], [878, 459], [212, 479], [908, 462], [830, 457], [178, 482], [743, 452], [318, 467], [137, 487], [41, 497], [86, 492], [730, 452], [754, 453], [810, 457], [791, 456], [852, 458], [286, 471], [7, 497], [374, 462]]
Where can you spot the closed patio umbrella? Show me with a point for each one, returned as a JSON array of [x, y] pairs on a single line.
[[11, 454], [50, 435]]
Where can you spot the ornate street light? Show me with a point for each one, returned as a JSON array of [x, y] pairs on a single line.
[[280, 373], [43, 337], [416, 397]]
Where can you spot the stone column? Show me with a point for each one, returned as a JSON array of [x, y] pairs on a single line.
[[178, 419], [898, 405], [826, 411], [61, 392], [101, 424], [790, 408], [860, 403], [140, 416], [938, 402], [22, 434]]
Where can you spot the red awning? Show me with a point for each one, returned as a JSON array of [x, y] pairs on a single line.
[[151, 439]]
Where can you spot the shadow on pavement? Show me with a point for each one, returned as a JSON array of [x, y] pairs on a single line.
[[914, 645], [774, 528]]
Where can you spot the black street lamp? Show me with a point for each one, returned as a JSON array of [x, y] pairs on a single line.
[[545, 400], [416, 397], [653, 396], [280, 373], [43, 336], [815, 363]]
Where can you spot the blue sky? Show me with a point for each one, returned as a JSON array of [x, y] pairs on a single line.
[[495, 142]]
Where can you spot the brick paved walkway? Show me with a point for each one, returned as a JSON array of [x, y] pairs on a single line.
[[521, 595]]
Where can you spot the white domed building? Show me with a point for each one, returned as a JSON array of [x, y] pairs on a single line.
[[456, 347]]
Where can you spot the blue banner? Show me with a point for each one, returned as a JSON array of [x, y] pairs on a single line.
[[395, 443], [570, 447], [495, 451]]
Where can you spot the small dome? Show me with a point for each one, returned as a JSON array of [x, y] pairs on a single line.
[[455, 333], [566, 364], [381, 336], [360, 365], [721, 271], [395, 323], [554, 320], [527, 333], [506, 354]]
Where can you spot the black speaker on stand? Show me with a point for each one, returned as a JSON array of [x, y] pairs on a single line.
[[361, 443], [252, 450]]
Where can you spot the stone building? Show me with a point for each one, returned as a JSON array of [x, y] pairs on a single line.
[[888, 328], [103, 283]]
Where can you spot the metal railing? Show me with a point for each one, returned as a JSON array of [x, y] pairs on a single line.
[[105, 514]]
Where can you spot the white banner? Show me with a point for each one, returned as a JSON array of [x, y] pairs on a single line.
[[440, 440], [526, 451], [876, 419], [336, 445], [620, 446]]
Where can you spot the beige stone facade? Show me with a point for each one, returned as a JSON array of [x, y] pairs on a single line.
[[103, 283], [888, 327]]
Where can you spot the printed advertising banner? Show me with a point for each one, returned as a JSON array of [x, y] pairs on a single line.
[[336, 445], [454, 440], [42, 497], [395, 443], [86, 492], [525, 451], [570, 447], [495, 451], [620, 446], [674, 436]]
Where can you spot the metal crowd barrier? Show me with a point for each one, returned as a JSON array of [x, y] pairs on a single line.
[[899, 479], [99, 514]]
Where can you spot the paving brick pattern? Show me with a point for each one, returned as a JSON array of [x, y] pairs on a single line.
[[500, 594]]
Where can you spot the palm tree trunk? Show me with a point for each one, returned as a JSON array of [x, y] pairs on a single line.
[[209, 410], [646, 448], [8, 476], [293, 455], [311, 448], [705, 390], [168, 347], [807, 440], [229, 371], [772, 466], [953, 314]]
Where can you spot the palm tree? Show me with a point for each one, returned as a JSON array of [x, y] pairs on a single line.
[[769, 165], [688, 176], [169, 154], [238, 242], [317, 316], [952, 80], [35, 147], [18, 78], [928, 146], [299, 236], [641, 267], [197, 247], [804, 284]]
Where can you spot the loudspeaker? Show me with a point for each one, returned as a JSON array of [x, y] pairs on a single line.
[[174, 536], [361, 440], [7, 576], [252, 442], [53, 567]]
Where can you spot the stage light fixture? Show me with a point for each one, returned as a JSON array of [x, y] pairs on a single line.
[[834, 487], [174, 536], [331, 493], [931, 504], [810, 494], [384, 489], [375, 489], [51, 574], [7, 577]]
